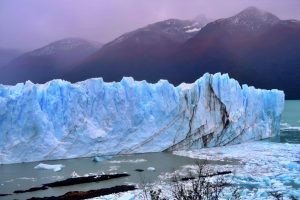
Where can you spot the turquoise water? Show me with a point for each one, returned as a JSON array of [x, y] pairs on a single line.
[[290, 123], [291, 114]]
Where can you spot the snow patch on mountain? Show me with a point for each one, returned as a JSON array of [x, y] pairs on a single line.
[[193, 30]]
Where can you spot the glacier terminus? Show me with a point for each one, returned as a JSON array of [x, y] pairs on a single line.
[[59, 120]]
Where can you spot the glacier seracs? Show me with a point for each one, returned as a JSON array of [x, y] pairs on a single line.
[[62, 120]]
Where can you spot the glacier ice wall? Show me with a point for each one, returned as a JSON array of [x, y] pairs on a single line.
[[62, 120]]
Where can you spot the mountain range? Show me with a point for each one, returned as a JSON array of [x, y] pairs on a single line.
[[253, 46]]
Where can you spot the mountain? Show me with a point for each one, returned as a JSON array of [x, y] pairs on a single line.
[[253, 46], [48, 62], [59, 120], [6, 55], [139, 51]]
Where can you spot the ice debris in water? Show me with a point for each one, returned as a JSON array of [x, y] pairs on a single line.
[[55, 168], [97, 159], [151, 169], [267, 166]]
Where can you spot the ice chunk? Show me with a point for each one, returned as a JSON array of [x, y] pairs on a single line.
[[151, 169], [55, 168], [97, 159]]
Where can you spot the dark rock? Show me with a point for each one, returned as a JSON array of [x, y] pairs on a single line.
[[76, 195], [3, 195], [74, 181], [87, 179], [31, 189]]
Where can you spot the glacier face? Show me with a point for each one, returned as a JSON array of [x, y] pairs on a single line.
[[62, 120]]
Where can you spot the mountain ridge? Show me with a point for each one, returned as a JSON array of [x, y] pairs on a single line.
[[257, 49], [254, 46]]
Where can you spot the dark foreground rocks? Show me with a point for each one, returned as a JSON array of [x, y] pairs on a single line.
[[74, 181], [76, 195]]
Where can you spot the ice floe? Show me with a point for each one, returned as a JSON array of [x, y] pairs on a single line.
[[55, 168], [261, 166]]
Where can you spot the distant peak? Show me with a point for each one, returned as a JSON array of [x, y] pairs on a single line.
[[252, 9], [170, 22], [71, 39], [253, 19], [201, 18], [75, 40], [65, 44], [255, 13]]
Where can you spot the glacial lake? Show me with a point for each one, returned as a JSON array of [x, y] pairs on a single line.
[[23, 176]]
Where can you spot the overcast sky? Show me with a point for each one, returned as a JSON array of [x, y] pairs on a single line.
[[29, 24]]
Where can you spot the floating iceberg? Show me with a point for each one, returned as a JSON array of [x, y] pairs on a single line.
[[151, 169], [59, 120], [55, 168]]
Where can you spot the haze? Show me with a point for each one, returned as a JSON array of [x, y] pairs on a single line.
[[30, 24]]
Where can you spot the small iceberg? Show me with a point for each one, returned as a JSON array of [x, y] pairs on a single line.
[[97, 159], [101, 158], [151, 169], [55, 168]]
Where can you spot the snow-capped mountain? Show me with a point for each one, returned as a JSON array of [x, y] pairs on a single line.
[[252, 19], [250, 46], [173, 29], [254, 46], [48, 62], [142, 49], [59, 120]]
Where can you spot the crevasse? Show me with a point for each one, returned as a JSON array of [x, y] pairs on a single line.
[[59, 120]]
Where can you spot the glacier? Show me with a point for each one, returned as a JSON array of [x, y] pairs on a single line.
[[59, 120]]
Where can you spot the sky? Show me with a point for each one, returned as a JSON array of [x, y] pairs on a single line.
[[30, 24]]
